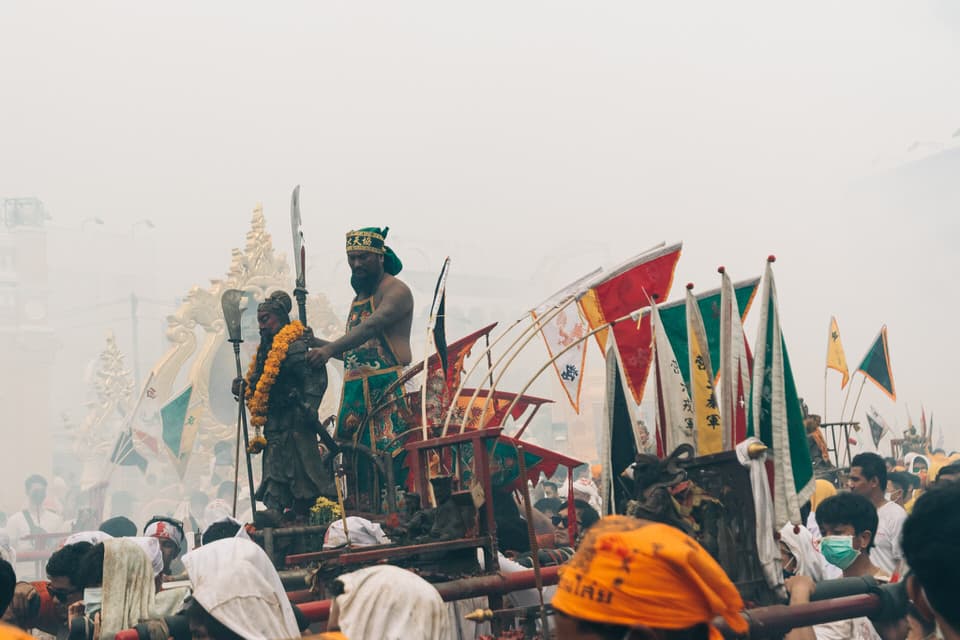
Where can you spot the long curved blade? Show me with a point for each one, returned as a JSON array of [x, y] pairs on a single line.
[[230, 301], [296, 226]]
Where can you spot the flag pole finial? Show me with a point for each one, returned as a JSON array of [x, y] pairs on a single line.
[[771, 258], [689, 286], [721, 269]]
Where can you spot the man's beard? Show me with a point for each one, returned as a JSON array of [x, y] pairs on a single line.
[[365, 283]]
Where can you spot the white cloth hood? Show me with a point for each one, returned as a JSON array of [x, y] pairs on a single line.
[[390, 603], [151, 547], [93, 537], [800, 542], [363, 533], [234, 581]]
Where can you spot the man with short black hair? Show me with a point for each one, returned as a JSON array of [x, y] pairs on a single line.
[[34, 520], [900, 486], [62, 589], [848, 522], [930, 545], [949, 473], [549, 489], [868, 478]]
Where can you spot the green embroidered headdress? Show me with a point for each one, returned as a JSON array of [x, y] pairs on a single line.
[[372, 239]]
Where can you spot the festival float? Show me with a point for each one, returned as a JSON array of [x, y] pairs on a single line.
[[725, 465]]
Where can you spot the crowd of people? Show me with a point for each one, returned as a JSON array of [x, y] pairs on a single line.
[[627, 578]]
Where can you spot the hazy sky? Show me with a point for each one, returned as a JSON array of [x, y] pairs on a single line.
[[528, 140]]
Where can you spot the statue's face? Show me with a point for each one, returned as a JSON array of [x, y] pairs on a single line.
[[270, 324]]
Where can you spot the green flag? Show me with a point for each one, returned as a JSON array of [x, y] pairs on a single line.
[[776, 416], [173, 415], [674, 317], [876, 364]]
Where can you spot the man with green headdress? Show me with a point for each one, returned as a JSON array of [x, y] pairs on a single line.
[[376, 346]]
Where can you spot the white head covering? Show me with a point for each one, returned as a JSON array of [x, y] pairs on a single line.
[[151, 546], [800, 542], [93, 537], [128, 586], [216, 511], [235, 582], [912, 457], [391, 603], [165, 531], [241, 532], [363, 533]]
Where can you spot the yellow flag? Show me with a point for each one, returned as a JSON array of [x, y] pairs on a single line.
[[590, 306], [836, 359], [706, 408]]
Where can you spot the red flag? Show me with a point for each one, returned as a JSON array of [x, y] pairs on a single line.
[[626, 290], [441, 388]]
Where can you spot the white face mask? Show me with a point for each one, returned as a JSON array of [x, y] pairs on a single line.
[[92, 600]]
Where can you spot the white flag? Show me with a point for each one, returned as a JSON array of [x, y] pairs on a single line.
[[562, 330], [734, 367], [675, 418]]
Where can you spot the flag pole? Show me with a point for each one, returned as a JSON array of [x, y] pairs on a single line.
[[843, 408], [570, 346], [857, 401], [521, 342], [826, 369], [506, 352], [574, 291], [431, 340]]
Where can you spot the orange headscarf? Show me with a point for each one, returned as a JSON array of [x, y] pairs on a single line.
[[630, 572], [9, 632], [822, 490]]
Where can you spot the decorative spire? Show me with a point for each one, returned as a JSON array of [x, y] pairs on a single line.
[[258, 263]]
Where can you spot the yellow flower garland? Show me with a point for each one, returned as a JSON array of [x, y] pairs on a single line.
[[259, 399]]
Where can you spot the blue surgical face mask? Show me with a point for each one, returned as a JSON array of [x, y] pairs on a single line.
[[92, 600], [838, 550]]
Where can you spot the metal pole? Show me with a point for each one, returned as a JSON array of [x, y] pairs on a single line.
[[243, 424], [236, 460]]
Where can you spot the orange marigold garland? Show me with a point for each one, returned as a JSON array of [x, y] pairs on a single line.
[[258, 399]]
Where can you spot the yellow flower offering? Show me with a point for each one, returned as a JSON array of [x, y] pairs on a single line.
[[258, 399]]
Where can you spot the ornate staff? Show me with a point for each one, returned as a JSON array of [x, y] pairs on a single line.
[[300, 293], [230, 301], [299, 255]]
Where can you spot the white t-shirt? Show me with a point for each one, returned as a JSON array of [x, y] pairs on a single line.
[[18, 528], [886, 553], [854, 629]]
